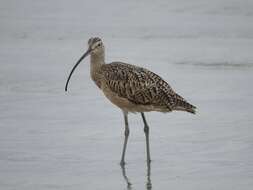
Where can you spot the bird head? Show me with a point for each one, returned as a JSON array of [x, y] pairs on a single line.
[[95, 45]]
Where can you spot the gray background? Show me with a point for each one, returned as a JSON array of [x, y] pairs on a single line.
[[50, 139]]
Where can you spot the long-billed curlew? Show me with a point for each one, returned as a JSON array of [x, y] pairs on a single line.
[[131, 88]]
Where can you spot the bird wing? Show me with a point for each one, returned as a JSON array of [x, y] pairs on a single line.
[[138, 85]]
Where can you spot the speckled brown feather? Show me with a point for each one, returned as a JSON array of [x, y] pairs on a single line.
[[142, 87]]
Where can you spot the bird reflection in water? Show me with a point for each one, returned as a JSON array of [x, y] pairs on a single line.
[[149, 184], [129, 184]]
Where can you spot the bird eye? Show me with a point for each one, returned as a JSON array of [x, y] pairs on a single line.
[[99, 45]]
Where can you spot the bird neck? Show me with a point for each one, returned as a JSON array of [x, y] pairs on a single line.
[[96, 61]]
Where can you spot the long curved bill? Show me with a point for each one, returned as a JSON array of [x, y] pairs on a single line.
[[77, 63]]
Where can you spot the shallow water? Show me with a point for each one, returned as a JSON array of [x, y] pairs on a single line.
[[50, 139]]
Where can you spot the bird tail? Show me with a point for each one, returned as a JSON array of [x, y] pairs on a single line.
[[183, 105]]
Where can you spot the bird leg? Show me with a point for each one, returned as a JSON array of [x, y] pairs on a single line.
[[146, 131], [122, 162]]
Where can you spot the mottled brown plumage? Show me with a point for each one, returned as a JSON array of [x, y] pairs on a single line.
[[144, 90], [131, 88]]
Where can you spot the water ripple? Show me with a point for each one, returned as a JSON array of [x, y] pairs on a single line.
[[222, 64]]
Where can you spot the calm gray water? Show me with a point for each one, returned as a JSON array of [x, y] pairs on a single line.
[[50, 139]]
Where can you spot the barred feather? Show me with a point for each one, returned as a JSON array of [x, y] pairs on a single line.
[[142, 87]]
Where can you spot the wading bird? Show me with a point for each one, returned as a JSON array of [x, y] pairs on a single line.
[[131, 88]]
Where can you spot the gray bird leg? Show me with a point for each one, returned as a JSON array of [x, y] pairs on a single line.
[[146, 131], [122, 162]]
